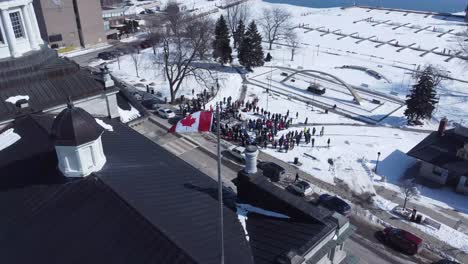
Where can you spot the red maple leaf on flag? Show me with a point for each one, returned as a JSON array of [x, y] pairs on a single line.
[[188, 121]]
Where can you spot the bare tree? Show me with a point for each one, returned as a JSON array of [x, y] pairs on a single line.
[[292, 39], [409, 190], [180, 48], [136, 59], [234, 14], [275, 22]]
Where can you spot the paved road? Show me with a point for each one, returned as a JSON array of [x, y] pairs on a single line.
[[361, 244], [85, 59]]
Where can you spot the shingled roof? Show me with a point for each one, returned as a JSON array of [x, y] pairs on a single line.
[[48, 80], [442, 151]]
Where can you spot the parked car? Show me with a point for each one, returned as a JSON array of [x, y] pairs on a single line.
[[106, 55], [145, 44], [401, 240], [151, 104], [284, 74], [316, 89], [166, 113], [272, 170], [238, 152], [335, 204], [301, 188], [117, 53]]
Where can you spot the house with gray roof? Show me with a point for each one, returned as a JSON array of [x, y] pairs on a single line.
[[443, 157]]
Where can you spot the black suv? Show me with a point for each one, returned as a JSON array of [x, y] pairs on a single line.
[[106, 55], [272, 170], [335, 204]]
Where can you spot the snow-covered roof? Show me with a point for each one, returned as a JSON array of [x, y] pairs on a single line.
[[8, 138]]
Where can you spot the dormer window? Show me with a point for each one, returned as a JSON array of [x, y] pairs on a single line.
[[17, 25]]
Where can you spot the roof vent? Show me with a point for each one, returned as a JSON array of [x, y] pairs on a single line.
[[23, 103], [251, 153], [106, 77]]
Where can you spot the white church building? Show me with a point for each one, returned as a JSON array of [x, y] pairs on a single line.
[[19, 31]]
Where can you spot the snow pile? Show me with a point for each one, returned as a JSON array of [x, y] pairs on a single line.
[[128, 115], [244, 209], [446, 234], [104, 125], [8, 138], [14, 99], [384, 204]]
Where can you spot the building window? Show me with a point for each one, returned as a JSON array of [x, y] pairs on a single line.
[[17, 25], [55, 38], [1, 37]]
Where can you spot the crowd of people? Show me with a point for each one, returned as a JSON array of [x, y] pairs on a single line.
[[260, 127]]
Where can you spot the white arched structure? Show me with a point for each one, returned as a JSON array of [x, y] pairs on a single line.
[[19, 31]]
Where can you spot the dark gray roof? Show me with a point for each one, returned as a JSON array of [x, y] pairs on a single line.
[[48, 81], [172, 195], [442, 151], [79, 222], [74, 126], [307, 226], [175, 199], [272, 237], [32, 159], [146, 206]]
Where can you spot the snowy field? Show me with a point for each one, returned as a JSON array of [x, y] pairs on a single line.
[[328, 51]]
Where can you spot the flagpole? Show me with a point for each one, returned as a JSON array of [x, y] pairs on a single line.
[[220, 182]]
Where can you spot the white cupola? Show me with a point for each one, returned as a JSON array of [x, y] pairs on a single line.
[[19, 31], [77, 139]]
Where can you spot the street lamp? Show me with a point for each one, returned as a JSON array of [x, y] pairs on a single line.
[[377, 163]]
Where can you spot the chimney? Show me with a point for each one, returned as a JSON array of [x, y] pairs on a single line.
[[251, 154], [106, 77], [442, 127]]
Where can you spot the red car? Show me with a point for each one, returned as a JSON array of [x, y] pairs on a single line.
[[402, 240]]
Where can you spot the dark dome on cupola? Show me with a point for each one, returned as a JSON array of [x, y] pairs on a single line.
[[74, 126]]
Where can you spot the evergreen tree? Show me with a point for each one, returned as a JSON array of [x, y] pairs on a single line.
[[239, 34], [422, 99], [250, 49], [221, 45]]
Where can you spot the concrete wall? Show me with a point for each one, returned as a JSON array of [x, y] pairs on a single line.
[[58, 19], [427, 171], [91, 22], [100, 106]]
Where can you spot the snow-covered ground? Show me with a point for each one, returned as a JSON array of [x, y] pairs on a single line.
[[445, 233], [326, 52]]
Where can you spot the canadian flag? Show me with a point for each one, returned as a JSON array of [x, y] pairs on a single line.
[[196, 122]]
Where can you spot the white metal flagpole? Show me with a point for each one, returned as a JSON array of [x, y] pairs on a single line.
[[220, 183]]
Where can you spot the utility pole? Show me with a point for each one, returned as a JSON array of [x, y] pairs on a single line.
[[220, 183], [377, 163]]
